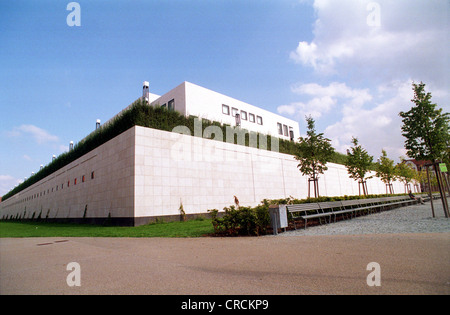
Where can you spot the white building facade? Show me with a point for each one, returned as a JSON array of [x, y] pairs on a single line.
[[143, 173], [192, 100]]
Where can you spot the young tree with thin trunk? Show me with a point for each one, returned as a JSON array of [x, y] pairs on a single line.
[[314, 152], [386, 171], [426, 129], [406, 174], [358, 164]]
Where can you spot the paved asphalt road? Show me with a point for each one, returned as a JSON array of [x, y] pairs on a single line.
[[409, 264]]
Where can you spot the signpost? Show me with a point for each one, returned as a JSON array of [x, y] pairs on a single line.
[[441, 186], [429, 191], [443, 169]]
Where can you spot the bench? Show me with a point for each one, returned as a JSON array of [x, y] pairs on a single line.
[[426, 196], [400, 200], [362, 205], [326, 210], [336, 208], [306, 211]]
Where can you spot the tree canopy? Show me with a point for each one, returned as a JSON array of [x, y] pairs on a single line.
[[314, 151], [358, 163], [425, 127], [405, 173], [386, 170]]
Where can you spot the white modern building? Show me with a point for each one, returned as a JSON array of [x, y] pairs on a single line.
[[192, 100], [144, 173]]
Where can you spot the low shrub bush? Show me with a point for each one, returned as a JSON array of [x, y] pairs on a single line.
[[255, 221], [241, 221]]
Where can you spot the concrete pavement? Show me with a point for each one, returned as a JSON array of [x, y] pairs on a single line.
[[409, 264]]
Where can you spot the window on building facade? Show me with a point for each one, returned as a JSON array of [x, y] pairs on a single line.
[[83, 178], [75, 181], [285, 128], [234, 111], [251, 117], [225, 109], [243, 115], [163, 105], [259, 120], [92, 175], [171, 105], [280, 129]]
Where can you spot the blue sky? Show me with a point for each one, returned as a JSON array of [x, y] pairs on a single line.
[[347, 64]]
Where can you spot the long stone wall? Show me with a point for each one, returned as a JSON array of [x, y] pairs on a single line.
[[146, 173], [93, 187], [200, 174]]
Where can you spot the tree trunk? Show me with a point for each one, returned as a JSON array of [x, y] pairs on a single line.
[[444, 204], [443, 192], [430, 192], [444, 176], [316, 187], [364, 187]]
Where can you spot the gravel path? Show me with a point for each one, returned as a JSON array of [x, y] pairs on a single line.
[[411, 219]]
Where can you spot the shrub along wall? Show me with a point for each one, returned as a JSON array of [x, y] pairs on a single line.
[[155, 117], [248, 221]]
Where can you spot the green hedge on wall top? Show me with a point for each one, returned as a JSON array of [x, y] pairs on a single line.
[[156, 117]]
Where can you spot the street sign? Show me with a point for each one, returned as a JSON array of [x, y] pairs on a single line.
[[443, 167]]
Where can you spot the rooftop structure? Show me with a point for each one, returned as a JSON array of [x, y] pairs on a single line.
[[192, 100]]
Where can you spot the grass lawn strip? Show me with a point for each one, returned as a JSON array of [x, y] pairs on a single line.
[[193, 228]]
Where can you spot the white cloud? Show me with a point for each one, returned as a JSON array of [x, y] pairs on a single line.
[[323, 99], [306, 54], [316, 107], [63, 148], [411, 41], [377, 127], [35, 142], [7, 182], [38, 134]]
